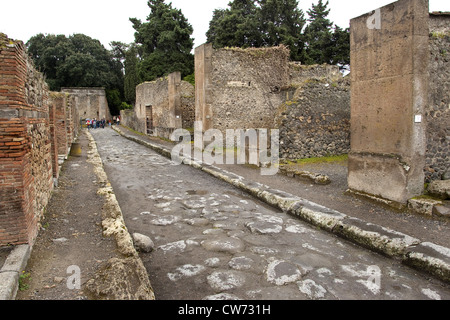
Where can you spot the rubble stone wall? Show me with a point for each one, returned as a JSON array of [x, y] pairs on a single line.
[[315, 120], [437, 113]]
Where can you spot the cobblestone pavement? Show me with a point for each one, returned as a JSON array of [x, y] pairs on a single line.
[[212, 241]]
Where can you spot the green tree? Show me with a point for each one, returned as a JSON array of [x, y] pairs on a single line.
[[282, 23], [165, 41], [76, 61], [318, 35], [49, 53], [341, 46], [131, 74], [237, 26], [258, 23]]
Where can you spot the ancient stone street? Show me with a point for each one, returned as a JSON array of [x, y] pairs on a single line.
[[212, 241]]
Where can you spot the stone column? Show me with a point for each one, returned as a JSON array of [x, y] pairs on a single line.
[[203, 65]]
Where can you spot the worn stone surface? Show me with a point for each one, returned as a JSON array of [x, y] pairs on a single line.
[[440, 189], [309, 263], [434, 258], [423, 205], [121, 279], [143, 243]]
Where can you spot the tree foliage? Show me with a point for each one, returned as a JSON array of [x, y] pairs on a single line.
[[75, 61], [264, 23], [237, 26], [282, 23], [164, 41]]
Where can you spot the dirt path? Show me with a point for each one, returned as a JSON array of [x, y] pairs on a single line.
[[70, 238]]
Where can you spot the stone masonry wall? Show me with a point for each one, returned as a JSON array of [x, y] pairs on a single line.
[[315, 120], [170, 101], [240, 88], [187, 105], [260, 88], [437, 113], [90, 102]]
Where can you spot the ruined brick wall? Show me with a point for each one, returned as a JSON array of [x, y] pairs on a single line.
[[26, 176], [315, 119], [437, 112], [58, 101], [66, 122]]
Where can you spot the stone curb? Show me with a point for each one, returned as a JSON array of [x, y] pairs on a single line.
[[114, 226], [428, 257], [10, 272]]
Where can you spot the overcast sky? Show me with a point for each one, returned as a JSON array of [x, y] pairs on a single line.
[[108, 20]]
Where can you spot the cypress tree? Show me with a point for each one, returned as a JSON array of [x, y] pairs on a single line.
[[318, 35], [165, 41]]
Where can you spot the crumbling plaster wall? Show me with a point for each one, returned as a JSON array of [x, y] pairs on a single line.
[[26, 176], [260, 88], [239, 88]]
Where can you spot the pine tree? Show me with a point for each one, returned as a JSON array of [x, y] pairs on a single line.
[[237, 26], [165, 41], [282, 23], [131, 79], [341, 46], [318, 35]]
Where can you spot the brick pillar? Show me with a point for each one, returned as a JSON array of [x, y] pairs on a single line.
[[26, 177]]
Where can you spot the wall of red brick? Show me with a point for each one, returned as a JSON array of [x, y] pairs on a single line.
[[28, 143]]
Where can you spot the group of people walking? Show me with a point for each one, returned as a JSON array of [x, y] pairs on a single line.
[[95, 124]]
